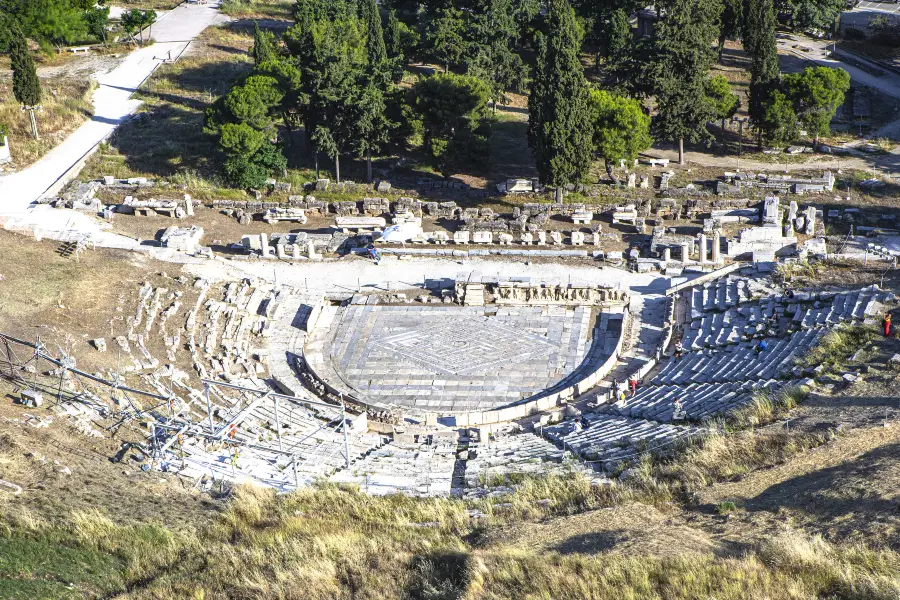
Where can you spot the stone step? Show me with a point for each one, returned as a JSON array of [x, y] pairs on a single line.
[[699, 401]]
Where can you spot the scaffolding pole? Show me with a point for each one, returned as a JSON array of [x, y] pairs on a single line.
[[212, 429], [277, 423], [344, 428]]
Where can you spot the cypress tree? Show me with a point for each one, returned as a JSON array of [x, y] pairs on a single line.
[[263, 45], [26, 86], [682, 53], [559, 127], [393, 36], [374, 37], [760, 44]]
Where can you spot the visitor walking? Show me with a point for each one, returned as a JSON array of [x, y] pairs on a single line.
[[679, 350], [887, 325], [633, 384]]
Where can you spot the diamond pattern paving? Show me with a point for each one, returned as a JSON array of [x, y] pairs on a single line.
[[457, 358]]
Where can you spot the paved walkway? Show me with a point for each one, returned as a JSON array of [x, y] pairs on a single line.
[[113, 104]]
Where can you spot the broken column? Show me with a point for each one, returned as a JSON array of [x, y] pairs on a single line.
[[280, 251], [685, 252], [716, 247], [810, 220], [296, 251], [667, 255], [188, 205], [264, 245], [702, 250]]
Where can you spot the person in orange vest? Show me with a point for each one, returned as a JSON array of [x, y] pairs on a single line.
[[887, 325], [232, 432]]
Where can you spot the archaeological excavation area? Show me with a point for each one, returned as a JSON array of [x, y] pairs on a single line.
[[442, 389]]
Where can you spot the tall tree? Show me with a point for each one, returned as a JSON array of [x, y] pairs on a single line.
[[452, 108], [731, 22], [393, 36], [447, 37], [371, 18], [495, 60], [371, 124], [816, 94], [26, 86], [760, 43], [618, 39], [244, 122], [726, 101], [819, 14], [778, 122], [329, 45], [97, 20], [263, 49], [559, 125], [682, 53], [621, 129]]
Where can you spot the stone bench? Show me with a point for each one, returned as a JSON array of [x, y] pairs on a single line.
[[360, 222], [582, 217], [274, 215]]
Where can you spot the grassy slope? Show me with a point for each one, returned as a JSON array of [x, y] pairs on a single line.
[[66, 105], [332, 543]]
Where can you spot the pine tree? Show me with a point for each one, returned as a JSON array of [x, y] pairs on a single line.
[[760, 44], [371, 19], [559, 127], [26, 86], [263, 45]]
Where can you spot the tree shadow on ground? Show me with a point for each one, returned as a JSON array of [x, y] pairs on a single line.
[[214, 78], [168, 141], [855, 498], [594, 542]]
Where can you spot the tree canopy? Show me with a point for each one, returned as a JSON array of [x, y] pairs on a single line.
[[681, 55], [621, 128], [816, 94], [559, 127], [451, 108]]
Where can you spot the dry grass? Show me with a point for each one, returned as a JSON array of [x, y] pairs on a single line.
[[723, 457], [166, 140], [767, 406], [332, 543], [258, 9], [836, 346], [66, 105]]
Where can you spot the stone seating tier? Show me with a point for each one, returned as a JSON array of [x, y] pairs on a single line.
[[415, 469], [523, 453], [612, 439], [738, 362], [699, 401]]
